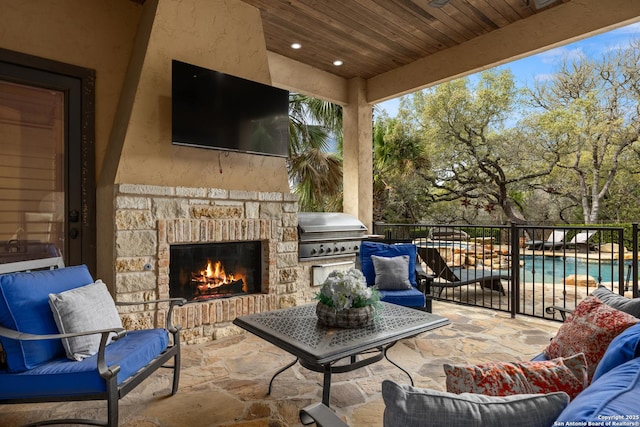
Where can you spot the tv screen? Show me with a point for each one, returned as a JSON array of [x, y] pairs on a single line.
[[211, 109]]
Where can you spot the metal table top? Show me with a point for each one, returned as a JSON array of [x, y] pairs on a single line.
[[297, 331]]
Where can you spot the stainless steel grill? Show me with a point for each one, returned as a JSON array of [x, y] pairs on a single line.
[[328, 234]]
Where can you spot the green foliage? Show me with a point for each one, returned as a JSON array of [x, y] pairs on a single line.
[[399, 160], [565, 150], [587, 116], [314, 171], [475, 160]]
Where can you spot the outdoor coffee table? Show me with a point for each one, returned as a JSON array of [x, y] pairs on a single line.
[[318, 348]]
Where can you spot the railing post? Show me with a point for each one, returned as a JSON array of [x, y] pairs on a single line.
[[634, 263], [621, 278], [515, 270], [620, 241]]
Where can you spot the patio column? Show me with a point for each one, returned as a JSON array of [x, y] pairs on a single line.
[[358, 152]]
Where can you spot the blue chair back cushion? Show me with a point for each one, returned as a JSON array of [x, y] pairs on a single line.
[[614, 394], [24, 306], [622, 349], [385, 250], [65, 377]]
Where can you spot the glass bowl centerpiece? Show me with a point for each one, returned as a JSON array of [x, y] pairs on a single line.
[[346, 301]]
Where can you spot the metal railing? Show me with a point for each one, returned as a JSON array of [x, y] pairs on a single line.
[[538, 266]]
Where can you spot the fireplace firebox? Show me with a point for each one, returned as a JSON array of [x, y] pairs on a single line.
[[205, 271]]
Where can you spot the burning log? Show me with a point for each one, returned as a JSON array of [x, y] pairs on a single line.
[[214, 281], [224, 288]]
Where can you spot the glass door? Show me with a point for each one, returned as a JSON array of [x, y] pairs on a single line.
[[47, 164], [32, 168]]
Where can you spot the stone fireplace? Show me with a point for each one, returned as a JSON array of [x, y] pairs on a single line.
[[150, 220]]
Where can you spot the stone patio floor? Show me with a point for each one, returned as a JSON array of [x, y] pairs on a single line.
[[225, 382]]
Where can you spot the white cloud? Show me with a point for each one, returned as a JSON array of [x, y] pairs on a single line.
[[559, 54], [543, 77]]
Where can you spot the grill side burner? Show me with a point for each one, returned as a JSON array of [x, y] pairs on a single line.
[[328, 234]]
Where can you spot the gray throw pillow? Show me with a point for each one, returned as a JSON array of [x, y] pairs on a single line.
[[619, 302], [408, 406], [87, 308], [392, 273]]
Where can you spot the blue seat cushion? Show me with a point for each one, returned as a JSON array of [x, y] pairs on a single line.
[[614, 394], [540, 358], [385, 250], [64, 377], [408, 298], [24, 306]]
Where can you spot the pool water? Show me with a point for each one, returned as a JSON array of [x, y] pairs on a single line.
[[554, 269]]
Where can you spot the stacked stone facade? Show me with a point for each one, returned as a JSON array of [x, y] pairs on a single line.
[[148, 219]]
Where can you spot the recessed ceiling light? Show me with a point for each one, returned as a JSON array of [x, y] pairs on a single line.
[[539, 4], [337, 63], [296, 45]]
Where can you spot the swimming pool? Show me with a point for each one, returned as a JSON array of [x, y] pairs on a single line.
[[550, 269], [547, 268]]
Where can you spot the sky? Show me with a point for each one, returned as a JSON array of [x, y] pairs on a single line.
[[541, 66]]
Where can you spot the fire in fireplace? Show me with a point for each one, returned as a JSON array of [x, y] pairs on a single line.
[[204, 271]]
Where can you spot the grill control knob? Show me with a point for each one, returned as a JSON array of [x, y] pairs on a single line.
[[342, 249], [313, 251]]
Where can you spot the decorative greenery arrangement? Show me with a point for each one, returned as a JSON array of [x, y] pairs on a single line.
[[343, 290]]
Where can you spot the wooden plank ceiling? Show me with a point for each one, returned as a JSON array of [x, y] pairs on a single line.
[[372, 37]]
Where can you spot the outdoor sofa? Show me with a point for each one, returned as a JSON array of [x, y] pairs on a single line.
[[605, 326]]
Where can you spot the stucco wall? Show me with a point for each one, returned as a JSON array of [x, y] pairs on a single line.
[[91, 34]]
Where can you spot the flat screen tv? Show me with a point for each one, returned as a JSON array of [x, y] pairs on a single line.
[[211, 109]]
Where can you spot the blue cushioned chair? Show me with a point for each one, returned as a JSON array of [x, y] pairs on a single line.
[[411, 297], [37, 368]]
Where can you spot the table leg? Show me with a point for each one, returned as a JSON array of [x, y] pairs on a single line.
[[279, 372], [330, 368], [326, 386], [394, 363]]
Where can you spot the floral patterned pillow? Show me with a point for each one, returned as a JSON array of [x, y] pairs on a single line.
[[589, 330], [508, 378]]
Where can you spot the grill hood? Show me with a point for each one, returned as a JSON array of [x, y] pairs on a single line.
[[314, 226]]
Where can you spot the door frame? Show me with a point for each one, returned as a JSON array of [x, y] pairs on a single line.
[[79, 149]]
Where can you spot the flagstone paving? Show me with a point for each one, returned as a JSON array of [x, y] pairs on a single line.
[[225, 382]]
